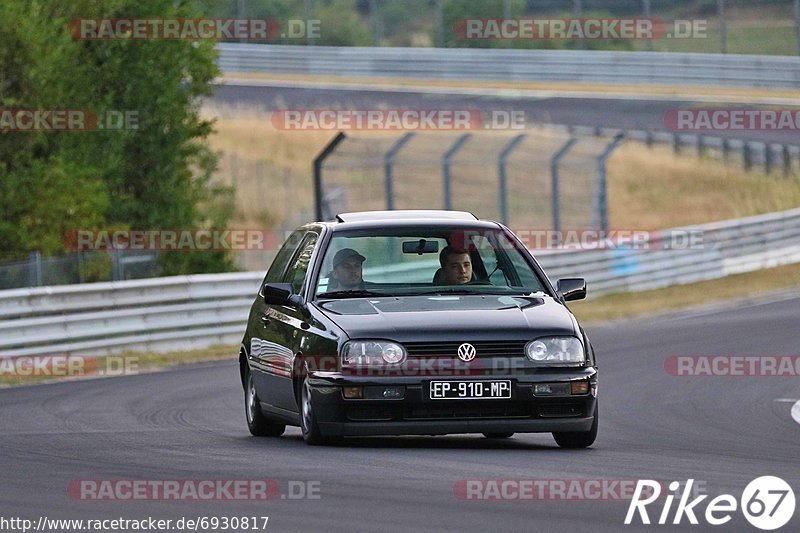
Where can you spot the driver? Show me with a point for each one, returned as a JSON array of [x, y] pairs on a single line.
[[456, 266], [346, 274]]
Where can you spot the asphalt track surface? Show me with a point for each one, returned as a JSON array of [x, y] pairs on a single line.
[[189, 424], [624, 112]]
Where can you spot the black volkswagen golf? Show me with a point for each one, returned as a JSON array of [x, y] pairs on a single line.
[[415, 323]]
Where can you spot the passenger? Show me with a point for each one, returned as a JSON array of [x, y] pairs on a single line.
[[456, 266], [346, 274]]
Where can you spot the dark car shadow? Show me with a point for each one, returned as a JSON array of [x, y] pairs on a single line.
[[441, 442]]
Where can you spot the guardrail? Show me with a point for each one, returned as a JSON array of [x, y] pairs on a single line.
[[173, 313], [187, 312], [661, 68]]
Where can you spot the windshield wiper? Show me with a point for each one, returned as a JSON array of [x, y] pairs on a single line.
[[444, 291], [353, 293]]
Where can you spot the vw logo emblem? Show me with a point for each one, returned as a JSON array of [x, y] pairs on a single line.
[[466, 352]]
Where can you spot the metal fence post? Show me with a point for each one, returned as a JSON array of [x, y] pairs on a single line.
[[439, 25], [554, 181], [318, 172], [797, 24], [79, 264], [726, 149], [768, 155], [747, 156], [375, 22], [787, 160], [501, 175], [448, 156], [602, 186], [676, 143], [309, 17], [35, 269], [701, 145], [723, 27], [388, 161], [116, 266]]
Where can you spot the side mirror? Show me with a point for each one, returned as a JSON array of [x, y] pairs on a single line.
[[280, 294], [571, 288]]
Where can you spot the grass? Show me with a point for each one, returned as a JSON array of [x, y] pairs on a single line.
[[631, 304], [654, 188], [778, 39], [124, 363]]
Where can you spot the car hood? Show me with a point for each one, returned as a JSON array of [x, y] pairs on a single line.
[[457, 317]]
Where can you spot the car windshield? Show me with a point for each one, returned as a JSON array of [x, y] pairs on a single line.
[[420, 261]]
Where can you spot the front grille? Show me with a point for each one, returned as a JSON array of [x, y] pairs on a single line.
[[482, 349], [465, 409], [374, 414], [560, 410]]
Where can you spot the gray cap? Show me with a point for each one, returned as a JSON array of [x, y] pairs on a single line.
[[344, 254]]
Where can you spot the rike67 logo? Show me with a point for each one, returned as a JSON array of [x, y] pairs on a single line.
[[767, 503]]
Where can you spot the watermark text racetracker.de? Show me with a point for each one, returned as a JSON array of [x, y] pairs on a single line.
[[732, 119], [23, 120], [186, 239], [733, 365], [618, 239], [578, 29], [122, 490], [545, 489], [406, 119], [194, 29], [66, 365]]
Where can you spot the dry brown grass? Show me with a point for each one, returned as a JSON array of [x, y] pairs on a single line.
[[655, 188], [631, 304], [648, 188], [138, 362]]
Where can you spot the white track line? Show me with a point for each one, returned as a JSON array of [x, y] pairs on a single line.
[[795, 408]]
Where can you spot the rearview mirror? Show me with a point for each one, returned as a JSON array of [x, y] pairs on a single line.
[[420, 247], [571, 288]]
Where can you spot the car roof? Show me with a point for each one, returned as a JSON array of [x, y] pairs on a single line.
[[406, 218], [405, 214]]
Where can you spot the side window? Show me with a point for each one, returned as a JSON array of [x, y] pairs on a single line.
[[524, 272], [489, 257], [278, 267], [298, 268]]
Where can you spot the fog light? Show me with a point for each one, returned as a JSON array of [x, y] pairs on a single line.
[[353, 392], [551, 389], [392, 392], [580, 387]]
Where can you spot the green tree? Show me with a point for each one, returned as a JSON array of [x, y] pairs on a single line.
[[154, 176]]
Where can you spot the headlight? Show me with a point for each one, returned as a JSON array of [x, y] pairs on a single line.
[[556, 351], [372, 353]]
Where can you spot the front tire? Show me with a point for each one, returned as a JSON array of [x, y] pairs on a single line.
[[308, 419], [257, 423], [578, 439]]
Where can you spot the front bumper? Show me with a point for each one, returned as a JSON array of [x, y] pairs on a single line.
[[416, 414]]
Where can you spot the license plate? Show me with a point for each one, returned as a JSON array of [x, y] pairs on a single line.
[[470, 390]]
